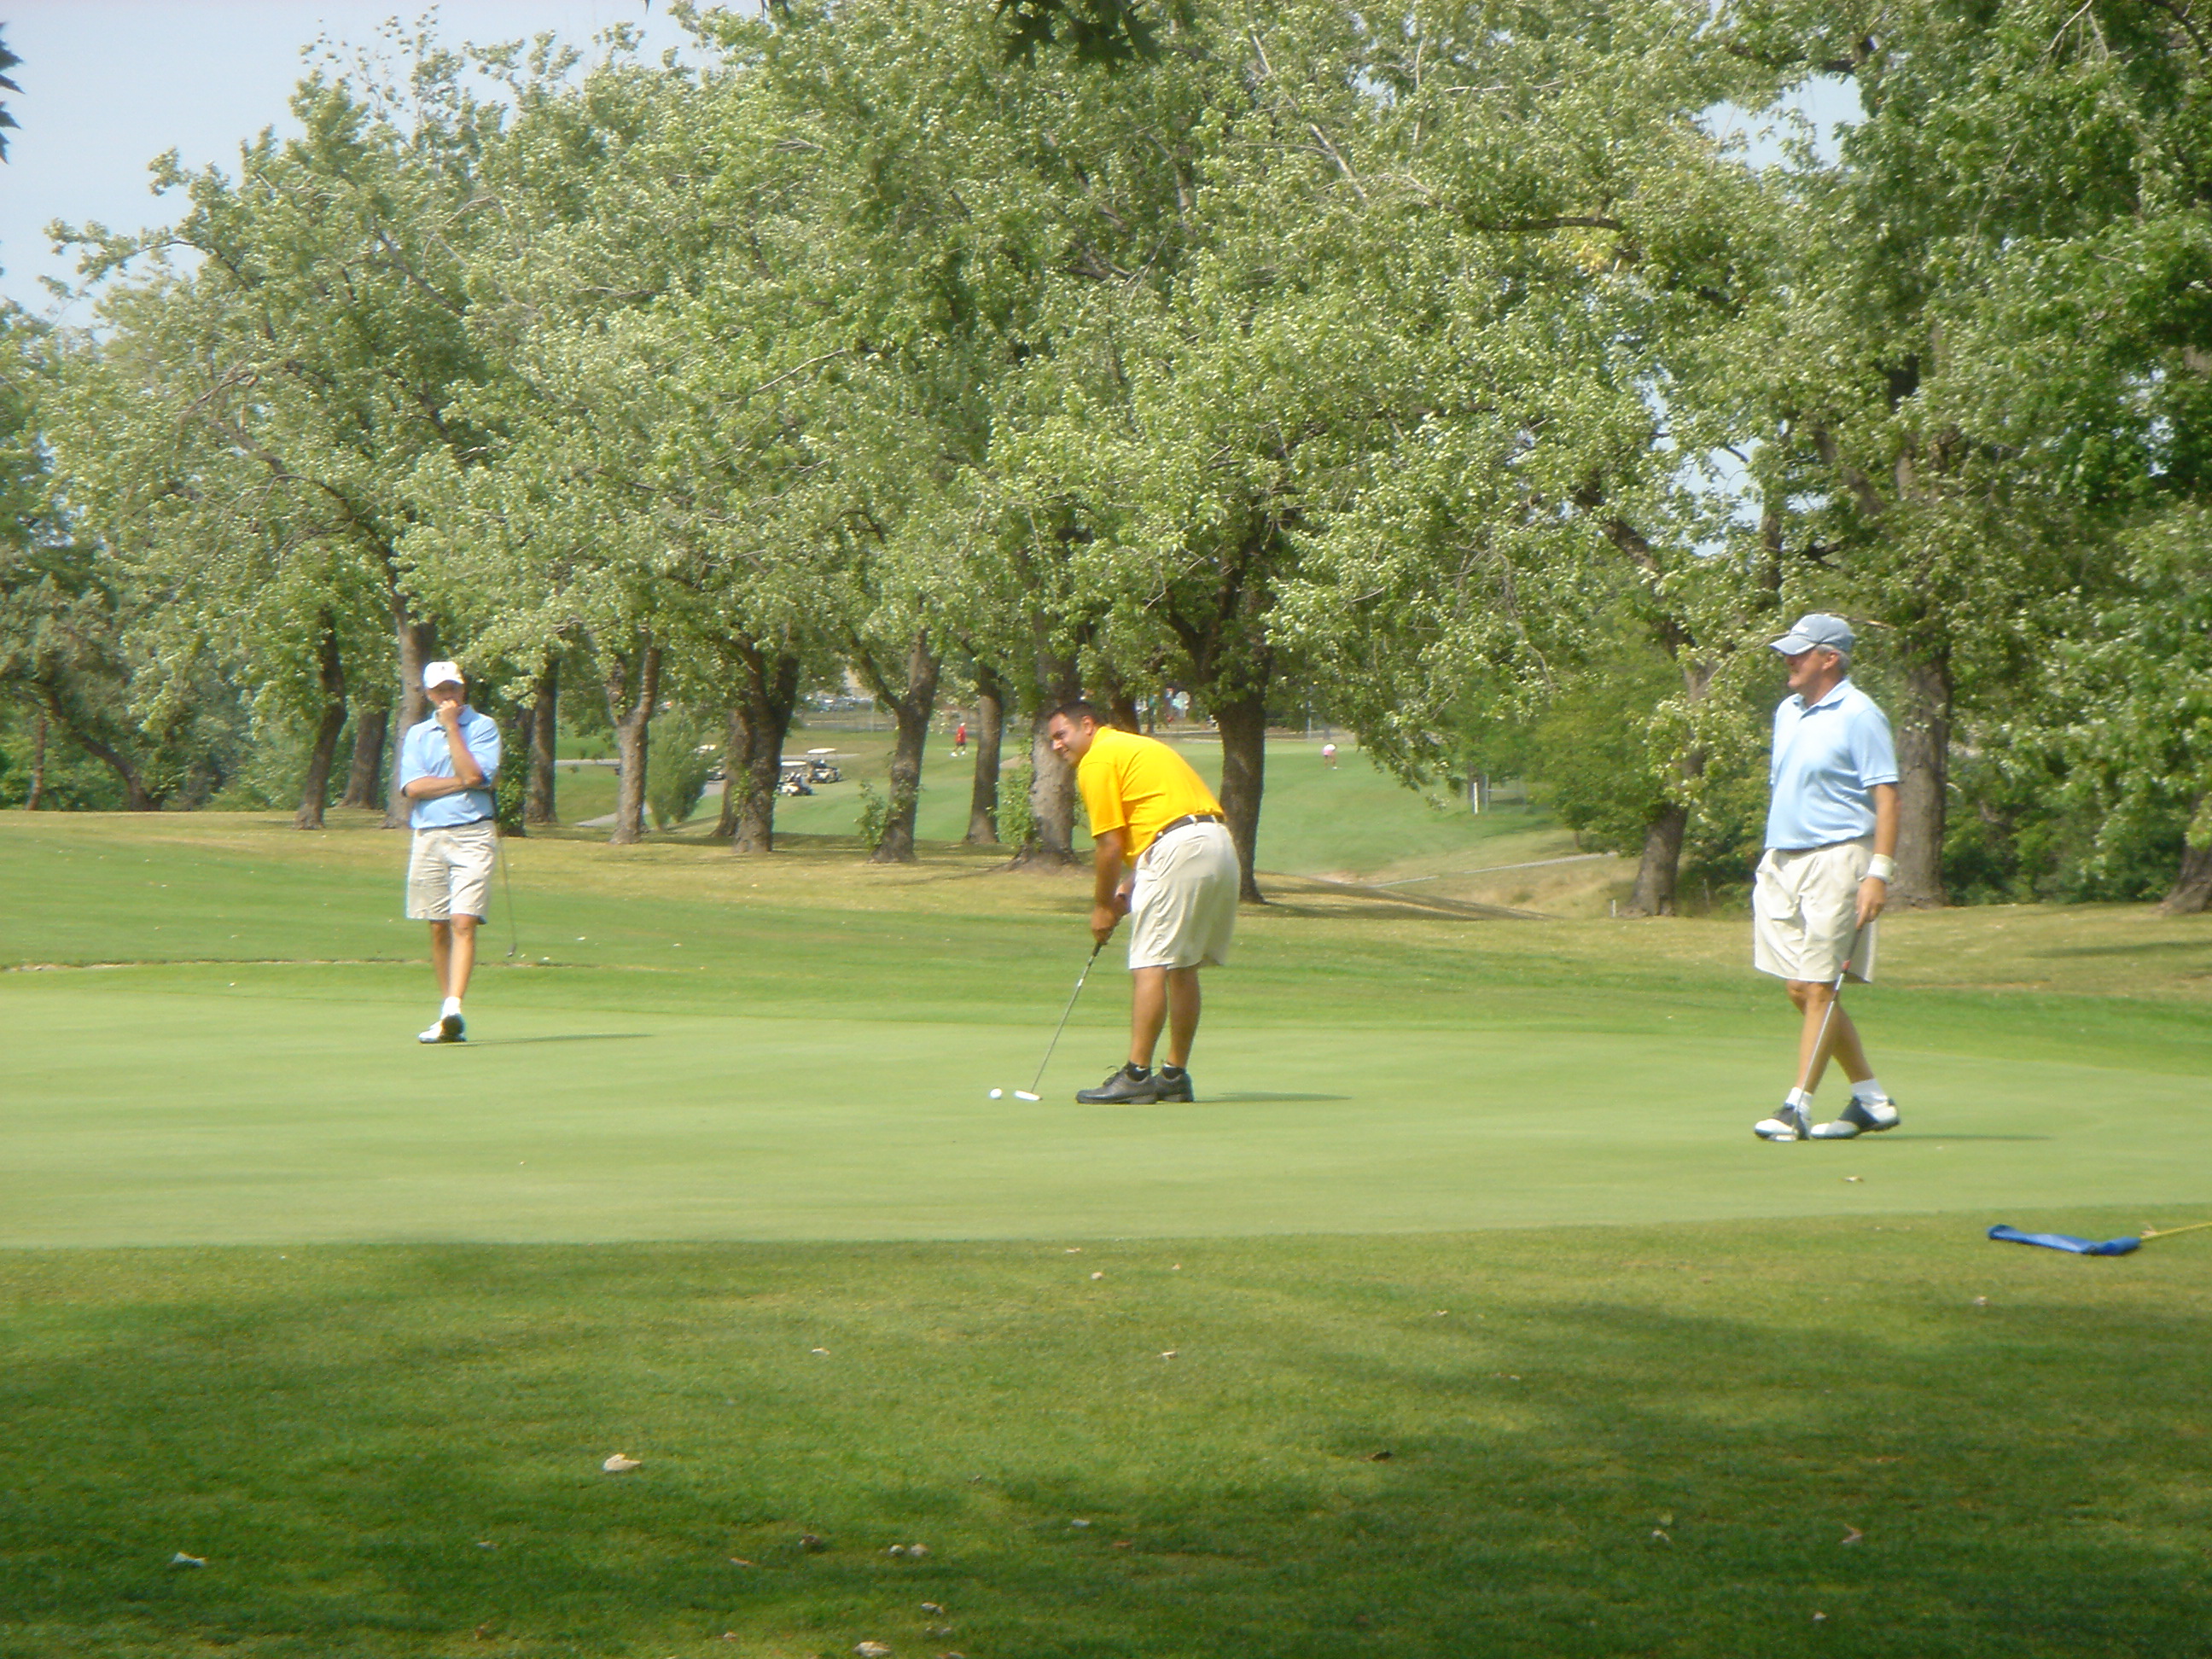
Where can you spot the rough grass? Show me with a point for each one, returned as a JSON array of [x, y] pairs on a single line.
[[1593, 1442]]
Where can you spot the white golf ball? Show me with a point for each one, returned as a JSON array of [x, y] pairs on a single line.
[[995, 1093]]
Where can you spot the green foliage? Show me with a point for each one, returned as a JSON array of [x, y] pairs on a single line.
[[680, 769], [1015, 822], [875, 815], [8, 60]]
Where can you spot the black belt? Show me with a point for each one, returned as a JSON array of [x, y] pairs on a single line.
[[1188, 818]]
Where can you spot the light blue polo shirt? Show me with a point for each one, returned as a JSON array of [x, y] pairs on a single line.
[[424, 753], [1827, 759]]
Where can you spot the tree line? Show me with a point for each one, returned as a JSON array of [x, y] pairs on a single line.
[[1451, 373]]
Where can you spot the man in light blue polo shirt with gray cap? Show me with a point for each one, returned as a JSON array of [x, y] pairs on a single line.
[[1830, 850], [449, 768]]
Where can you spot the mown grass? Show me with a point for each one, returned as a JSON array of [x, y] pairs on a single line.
[[1420, 1211]]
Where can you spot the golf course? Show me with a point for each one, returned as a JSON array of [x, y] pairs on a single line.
[[1462, 1314]]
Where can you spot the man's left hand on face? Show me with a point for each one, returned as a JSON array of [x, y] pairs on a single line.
[[1874, 893]]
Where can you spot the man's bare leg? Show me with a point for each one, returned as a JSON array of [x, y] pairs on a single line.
[[1148, 1012], [1182, 1014], [1813, 998], [460, 957], [441, 953]]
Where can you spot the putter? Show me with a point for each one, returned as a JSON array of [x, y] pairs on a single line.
[[1030, 1093], [506, 887]]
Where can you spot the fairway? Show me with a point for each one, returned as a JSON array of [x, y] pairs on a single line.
[[716, 1184]]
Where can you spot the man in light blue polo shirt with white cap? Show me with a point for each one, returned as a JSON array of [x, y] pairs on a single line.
[[449, 768], [1830, 850]]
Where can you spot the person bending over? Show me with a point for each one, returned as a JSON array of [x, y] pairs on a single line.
[[448, 766], [1831, 846], [1162, 857]]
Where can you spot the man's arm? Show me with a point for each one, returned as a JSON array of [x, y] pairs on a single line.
[[1107, 901], [467, 773], [1874, 890]]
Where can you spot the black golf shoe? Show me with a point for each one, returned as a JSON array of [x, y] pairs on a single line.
[[1173, 1088], [1126, 1087]]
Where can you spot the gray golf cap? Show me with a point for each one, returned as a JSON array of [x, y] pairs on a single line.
[[1816, 627]]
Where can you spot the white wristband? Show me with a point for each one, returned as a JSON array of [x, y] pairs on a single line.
[[1882, 868]]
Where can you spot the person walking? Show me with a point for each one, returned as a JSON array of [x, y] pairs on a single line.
[[448, 768], [960, 741], [1830, 853], [1164, 857]]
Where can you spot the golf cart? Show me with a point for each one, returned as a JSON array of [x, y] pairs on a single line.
[[791, 780], [822, 766]]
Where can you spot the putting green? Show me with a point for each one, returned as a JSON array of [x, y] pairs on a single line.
[[261, 1104]]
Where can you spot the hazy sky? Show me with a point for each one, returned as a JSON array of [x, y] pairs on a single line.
[[108, 85]]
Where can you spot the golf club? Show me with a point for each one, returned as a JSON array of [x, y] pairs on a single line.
[[506, 888], [1030, 1093]]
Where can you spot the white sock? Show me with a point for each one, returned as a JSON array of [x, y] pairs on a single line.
[[1868, 1088], [1800, 1098], [452, 1007]]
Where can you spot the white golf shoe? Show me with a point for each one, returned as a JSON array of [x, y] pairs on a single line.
[[449, 1028], [1788, 1123], [1861, 1117]]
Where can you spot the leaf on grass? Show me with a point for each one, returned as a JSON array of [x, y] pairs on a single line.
[[621, 1463], [810, 1543], [931, 1607], [872, 1650], [181, 1560], [1851, 1534], [1380, 1456], [739, 1561], [1170, 1353], [1820, 1618], [1659, 1533], [1098, 1275]]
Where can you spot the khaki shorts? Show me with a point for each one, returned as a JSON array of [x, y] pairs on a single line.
[[449, 872], [1804, 906], [1182, 908]]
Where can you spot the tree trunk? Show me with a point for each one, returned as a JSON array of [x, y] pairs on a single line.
[[540, 796], [1244, 725], [1052, 779], [737, 764], [911, 710], [633, 691], [1120, 707], [2192, 888], [37, 762], [1661, 867], [372, 725], [315, 787], [990, 733], [1659, 871], [760, 725], [418, 646], [1923, 756]]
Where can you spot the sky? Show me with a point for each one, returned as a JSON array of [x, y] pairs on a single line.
[[108, 85]]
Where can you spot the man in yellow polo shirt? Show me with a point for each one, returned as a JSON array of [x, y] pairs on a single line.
[[1164, 856]]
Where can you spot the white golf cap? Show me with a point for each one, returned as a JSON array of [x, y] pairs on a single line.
[[1815, 627], [443, 673]]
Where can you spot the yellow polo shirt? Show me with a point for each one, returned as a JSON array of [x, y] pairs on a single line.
[[1138, 785]]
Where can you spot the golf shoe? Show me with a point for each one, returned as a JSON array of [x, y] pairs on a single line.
[[1860, 1117], [1788, 1123], [449, 1028], [1124, 1087], [1173, 1088]]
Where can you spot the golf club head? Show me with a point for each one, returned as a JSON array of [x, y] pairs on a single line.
[[1024, 1094]]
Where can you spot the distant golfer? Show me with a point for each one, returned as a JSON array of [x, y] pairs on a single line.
[[1831, 846], [1328, 754], [960, 741], [1164, 855], [448, 765]]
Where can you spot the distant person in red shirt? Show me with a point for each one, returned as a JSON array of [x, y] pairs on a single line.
[[960, 741]]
